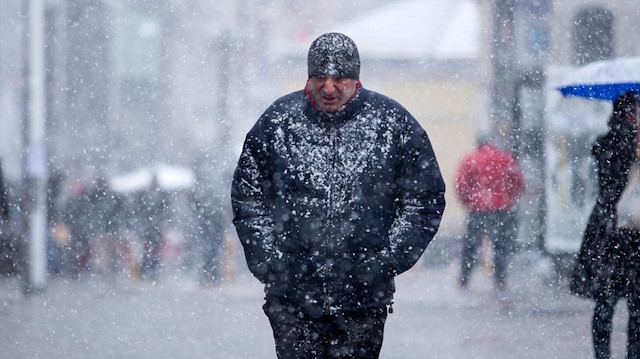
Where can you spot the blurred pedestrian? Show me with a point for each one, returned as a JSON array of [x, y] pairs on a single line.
[[153, 205], [4, 198], [209, 216], [103, 205], [8, 251], [608, 262], [336, 192], [76, 214], [59, 251], [489, 183]]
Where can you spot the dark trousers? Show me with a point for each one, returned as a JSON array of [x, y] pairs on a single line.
[[349, 335], [500, 227], [603, 322]]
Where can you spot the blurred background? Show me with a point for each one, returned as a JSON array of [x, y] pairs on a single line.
[[118, 96]]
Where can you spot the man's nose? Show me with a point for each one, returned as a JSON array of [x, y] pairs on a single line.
[[329, 85]]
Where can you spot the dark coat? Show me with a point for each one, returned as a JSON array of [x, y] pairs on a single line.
[[4, 198], [602, 265], [329, 207]]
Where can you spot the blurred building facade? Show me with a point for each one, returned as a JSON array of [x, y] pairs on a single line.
[[111, 86], [524, 42], [130, 82]]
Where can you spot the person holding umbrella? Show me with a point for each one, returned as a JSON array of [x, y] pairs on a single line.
[[607, 264]]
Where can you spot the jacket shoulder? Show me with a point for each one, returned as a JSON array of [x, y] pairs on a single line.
[[287, 103], [385, 102], [392, 111], [281, 109]]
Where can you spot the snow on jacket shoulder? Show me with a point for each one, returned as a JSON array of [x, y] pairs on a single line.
[[489, 179], [329, 207]]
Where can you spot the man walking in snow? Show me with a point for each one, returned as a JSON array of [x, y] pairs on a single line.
[[337, 190]]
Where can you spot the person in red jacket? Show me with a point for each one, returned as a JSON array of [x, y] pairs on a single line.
[[489, 182]]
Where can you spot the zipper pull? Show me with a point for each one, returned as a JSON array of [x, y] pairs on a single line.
[[391, 308]]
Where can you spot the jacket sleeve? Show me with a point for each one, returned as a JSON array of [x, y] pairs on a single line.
[[420, 199], [614, 153], [253, 207], [515, 181], [464, 180]]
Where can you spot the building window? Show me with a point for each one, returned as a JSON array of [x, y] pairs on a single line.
[[593, 37]]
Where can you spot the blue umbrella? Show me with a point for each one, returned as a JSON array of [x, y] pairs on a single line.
[[603, 80]]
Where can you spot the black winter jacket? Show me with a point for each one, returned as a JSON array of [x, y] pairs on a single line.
[[329, 207]]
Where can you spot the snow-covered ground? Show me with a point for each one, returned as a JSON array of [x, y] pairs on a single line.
[[176, 318]]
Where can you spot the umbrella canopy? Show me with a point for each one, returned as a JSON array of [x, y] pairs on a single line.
[[170, 178], [603, 80]]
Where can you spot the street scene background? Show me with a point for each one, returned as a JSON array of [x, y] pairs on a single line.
[[104, 102]]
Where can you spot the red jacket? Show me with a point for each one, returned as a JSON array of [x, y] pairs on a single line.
[[489, 179]]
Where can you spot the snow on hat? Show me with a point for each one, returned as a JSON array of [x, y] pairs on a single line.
[[334, 54]]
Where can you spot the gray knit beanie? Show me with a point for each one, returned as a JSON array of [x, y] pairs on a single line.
[[334, 54]]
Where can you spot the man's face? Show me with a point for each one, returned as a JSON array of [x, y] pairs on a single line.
[[631, 114], [330, 93]]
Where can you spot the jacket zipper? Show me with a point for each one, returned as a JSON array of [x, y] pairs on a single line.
[[327, 291]]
